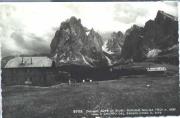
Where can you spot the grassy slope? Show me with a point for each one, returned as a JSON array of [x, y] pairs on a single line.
[[60, 100]]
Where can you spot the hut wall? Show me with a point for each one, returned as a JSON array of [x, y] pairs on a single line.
[[38, 76]]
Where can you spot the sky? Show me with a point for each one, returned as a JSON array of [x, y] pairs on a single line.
[[28, 28]]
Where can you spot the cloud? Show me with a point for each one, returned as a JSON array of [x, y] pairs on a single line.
[[16, 36], [8, 52], [73, 8], [25, 44], [127, 13], [140, 12], [171, 3], [35, 46]]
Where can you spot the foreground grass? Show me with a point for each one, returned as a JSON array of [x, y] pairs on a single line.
[[59, 101]]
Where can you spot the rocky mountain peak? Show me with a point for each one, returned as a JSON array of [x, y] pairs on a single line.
[[72, 45], [162, 16], [113, 46], [74, 20], [131, 48], [115, 43], [158, 34], [96, 38], [92, 30]]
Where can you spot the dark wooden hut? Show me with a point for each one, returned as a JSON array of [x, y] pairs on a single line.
[[36, 71]]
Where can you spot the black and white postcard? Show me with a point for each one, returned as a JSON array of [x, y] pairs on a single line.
[[89, 59]]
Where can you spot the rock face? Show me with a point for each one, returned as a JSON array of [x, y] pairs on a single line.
[[162, 32], [113, 46], [158, 34], [132, 48], [75, 44], [115, 43]]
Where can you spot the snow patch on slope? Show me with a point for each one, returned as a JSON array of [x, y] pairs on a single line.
[[86, 62], [105, 49], [87, 33], [62, 61], [153, 53], [109, 61]]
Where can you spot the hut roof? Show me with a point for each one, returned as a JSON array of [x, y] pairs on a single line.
[[20, 62]]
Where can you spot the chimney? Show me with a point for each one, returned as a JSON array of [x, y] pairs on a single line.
[[22, 60], [31, 60]]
